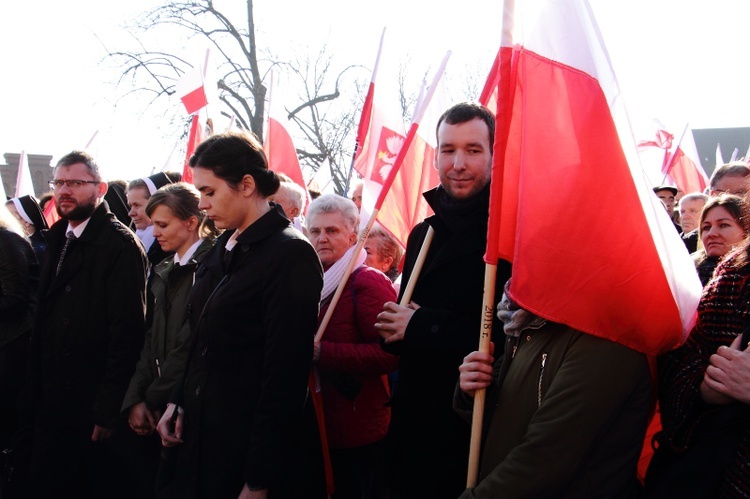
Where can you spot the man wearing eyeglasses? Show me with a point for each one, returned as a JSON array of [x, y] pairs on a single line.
[[87, 336]]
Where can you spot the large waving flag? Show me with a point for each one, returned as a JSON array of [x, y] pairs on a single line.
[[381, 132], [405, 207], [563, 133], [24, 185], [382, 135], [278, 146]]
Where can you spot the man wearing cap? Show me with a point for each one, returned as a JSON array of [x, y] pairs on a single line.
[[667, 195], [86, 340]]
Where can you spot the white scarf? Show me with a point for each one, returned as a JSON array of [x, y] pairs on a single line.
[[146, 236], [332, 276]]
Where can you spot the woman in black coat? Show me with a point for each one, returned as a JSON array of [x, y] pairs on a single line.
[[19, 273], [253, 313]]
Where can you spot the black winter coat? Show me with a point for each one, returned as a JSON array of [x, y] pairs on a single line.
[[19, 273], [90, 323], [428, 442], [253, 312]]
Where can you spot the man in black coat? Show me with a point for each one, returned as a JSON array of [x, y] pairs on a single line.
[[428, 444], [87, 336]]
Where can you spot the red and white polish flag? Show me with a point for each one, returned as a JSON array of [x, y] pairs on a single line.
[[278, 146], [405, 207], [381, 132], [564, 153], [191, 90]]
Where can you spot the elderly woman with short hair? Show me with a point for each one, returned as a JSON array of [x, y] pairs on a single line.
[[351, 364]]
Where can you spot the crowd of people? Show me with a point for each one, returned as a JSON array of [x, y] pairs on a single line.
[[226, 339]]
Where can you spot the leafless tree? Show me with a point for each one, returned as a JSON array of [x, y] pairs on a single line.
[[328, 113], [325, 124]]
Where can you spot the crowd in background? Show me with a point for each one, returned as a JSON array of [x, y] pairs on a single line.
[[176, 341]]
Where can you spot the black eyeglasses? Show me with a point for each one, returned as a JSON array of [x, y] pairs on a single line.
[[73, 184]]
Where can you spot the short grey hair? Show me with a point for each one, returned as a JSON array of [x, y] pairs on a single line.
[[293, 193], [333, 203], [694, 196]]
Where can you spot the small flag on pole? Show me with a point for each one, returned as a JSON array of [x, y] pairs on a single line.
[[191, 90]]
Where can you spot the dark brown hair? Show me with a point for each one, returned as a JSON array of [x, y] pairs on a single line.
[[231, 156], [467, 111]]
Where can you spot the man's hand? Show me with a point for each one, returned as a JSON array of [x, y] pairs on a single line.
[[476, 371], [728, 374], [170, 437], [100, 433], [141, 420], [394, 318]]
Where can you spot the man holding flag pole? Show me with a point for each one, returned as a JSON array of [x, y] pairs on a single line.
[[588, 303], [427, 442]]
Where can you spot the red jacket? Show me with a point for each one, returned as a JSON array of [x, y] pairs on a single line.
[[352, 365]]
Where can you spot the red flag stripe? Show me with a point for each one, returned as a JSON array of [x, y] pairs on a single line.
[[195, 100], [631, 281]]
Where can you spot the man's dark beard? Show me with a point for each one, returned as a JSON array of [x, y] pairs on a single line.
[[79, 213]]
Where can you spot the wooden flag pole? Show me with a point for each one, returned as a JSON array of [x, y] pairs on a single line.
[[485, 335], [504, 106], [409, 289], [381, 197]]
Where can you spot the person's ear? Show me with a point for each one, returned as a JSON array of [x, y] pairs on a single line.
[[191, 223], [247, 185]]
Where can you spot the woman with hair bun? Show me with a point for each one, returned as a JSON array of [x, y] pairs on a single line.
[[253, 313]]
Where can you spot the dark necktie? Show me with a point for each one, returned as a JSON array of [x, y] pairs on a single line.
[[69, 237]]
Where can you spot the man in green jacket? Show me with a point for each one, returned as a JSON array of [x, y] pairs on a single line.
[[566, 412]]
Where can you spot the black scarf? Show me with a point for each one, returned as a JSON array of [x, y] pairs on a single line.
[[456, 213]]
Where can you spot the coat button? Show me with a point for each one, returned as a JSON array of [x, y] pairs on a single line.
[[68, 288], [528, 338], [434, 328], [65, 321]]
